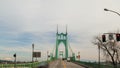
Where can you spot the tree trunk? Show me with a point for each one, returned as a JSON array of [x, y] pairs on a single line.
[[113, 62]]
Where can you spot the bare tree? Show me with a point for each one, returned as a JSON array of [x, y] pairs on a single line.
[[110, 49]]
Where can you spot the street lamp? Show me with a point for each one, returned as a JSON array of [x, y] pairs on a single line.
[[105, 9], [32, 52], [98, 55]]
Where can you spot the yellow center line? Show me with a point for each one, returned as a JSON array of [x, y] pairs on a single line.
[[64, 65]]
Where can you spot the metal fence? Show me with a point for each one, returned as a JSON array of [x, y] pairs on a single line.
[[23, 65]]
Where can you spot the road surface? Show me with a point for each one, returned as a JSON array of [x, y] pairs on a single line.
[[63, 64]]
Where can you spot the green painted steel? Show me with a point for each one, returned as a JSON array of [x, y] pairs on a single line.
[[61, 38]]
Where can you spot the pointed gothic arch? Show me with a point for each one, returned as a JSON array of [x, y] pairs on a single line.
[[61, 38]]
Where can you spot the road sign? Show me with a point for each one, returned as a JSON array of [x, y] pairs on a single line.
[[36, 54]]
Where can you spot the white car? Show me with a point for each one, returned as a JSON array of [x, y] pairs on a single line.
[[68, 59]]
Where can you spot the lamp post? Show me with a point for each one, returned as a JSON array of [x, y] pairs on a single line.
[[99, 55], [105, 9], [32, 52]]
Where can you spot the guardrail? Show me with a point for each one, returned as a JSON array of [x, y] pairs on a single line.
[[23, 65], [94, 64]]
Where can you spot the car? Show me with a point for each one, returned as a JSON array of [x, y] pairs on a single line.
[[68, 59], [43, 65], [63, 58]]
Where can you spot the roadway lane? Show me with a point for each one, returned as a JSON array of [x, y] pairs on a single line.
[[56, 64], [63, 64], [72, 65]]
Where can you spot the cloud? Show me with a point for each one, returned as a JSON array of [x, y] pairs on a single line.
[[7, 59], [26, 21]]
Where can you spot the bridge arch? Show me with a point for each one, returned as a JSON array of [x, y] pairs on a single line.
[[61, 38]]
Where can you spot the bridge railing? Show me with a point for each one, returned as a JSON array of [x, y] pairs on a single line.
[[24, 65], [27, 65]]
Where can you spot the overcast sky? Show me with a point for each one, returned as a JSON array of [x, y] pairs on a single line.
[[23, 22]]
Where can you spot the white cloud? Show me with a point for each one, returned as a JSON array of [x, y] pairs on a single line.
[[26, 21], [9, 59]]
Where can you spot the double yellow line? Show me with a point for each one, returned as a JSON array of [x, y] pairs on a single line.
[[64, 65]]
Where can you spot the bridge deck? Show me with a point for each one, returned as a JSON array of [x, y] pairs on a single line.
[[63, 64]]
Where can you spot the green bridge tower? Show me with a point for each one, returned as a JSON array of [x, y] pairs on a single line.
[[61, 38]]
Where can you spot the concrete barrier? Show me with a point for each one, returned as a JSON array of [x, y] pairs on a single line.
[[82, 65]]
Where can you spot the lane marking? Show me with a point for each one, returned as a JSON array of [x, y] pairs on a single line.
[[64, 65]]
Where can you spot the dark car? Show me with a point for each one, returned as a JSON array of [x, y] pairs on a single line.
[[43, 65], [63, 59]]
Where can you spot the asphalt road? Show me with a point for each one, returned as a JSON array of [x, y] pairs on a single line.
[[63, 64]]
